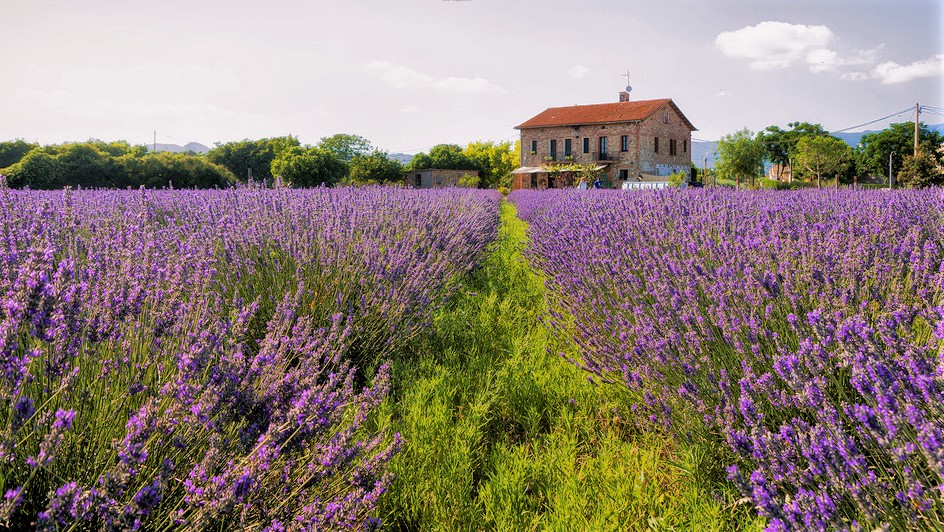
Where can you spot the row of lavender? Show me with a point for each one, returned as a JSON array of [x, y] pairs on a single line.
[[797, 334], [210, 358]]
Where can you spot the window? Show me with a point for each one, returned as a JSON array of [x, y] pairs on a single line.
[[552, 149], [418, 180], [685, 146], [624, 143], [534, 181], [567, 148], [586, 144], [624, 175], [534, 147], [665, 116], [672, 149], [656, 145], [602, 148]]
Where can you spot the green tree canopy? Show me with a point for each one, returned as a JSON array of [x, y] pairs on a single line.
[[897, 140], [822, 156], [38, 169], [308, 167], [375, 168], [119, 148], [493, 160], [253, 158], [13, 151], [443, 157], [779, 145], [922, 170], [177, 170], [345, 146], [740, 156], [96, 164]]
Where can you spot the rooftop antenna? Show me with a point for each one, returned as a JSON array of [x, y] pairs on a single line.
[[624, 95]]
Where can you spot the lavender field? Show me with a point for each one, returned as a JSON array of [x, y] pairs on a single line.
[[209, 359], [797, 336], [383, 358]]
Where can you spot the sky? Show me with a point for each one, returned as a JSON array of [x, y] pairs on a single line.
[[410, 74]]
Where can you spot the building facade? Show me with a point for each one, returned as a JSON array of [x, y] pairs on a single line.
[[437, 178], [625, 142]]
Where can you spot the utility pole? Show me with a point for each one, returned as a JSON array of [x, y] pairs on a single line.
[[704, 170], [890, 170], [155, 140], [917, 112]]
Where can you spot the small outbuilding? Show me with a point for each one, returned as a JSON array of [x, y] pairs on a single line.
[[438, 178]]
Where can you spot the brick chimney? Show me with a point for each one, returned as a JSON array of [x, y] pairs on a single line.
[[623, 96]]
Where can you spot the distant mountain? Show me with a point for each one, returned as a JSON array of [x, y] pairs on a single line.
[[195, 147], [404, 158], [704, 149]]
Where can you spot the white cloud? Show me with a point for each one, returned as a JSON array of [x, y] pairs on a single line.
[[854, 76], [721, 93], [770, 45], [577, 71], [891, 72], [775, 45], [404, 77], [409, 109]]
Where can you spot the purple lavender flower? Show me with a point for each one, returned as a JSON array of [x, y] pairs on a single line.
[[802, 328]]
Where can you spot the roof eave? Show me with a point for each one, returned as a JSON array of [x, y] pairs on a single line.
[[522, 126]]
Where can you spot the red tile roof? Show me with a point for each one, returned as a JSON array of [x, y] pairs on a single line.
[[600, 113]]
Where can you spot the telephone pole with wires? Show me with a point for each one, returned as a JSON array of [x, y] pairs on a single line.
[[917, 112]]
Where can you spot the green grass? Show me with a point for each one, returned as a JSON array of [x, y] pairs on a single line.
[[502, 434]]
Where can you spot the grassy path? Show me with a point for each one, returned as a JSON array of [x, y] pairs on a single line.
[[501, 435]]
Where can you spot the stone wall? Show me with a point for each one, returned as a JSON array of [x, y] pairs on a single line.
[[435, 178]]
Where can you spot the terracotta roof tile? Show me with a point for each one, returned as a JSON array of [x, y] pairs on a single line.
[[601, 113]]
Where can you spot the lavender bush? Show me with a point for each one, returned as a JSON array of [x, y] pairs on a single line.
[[209, 359], [799, 334]]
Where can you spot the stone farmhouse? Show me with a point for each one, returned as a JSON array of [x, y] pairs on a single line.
[[436, 178], [630, 144]]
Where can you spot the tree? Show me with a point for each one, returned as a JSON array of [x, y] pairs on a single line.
[[13, 151], [740, 155], [494, 161], [375, 168], [468, 181], [345, 146], [443, 157], [308, 167], [165, 169], [898, 141], [119, 148], [38, 169], [779, 145], [822, 156], [251, 158], [922, 170], [96, 164]]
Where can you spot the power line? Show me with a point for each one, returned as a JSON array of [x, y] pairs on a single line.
[[936, 111], [897, 113]]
